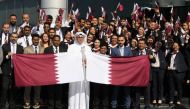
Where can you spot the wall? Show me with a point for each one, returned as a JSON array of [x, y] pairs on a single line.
[[167, 3], [18, 7]]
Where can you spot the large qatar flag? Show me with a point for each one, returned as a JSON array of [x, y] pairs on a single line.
[[125, 71], [37, 70]]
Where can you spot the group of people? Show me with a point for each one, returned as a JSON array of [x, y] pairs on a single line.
[[166, 43]]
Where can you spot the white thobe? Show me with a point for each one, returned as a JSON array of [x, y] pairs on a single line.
[[79, 92]]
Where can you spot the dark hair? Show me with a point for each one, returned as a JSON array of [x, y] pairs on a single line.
[[142, 40], [35, 35], [121, 36], [13, 33], [51, 29], [113, 35], [27, 27], [46, 23], [5, 24], [153, 20], [68, 30], [13, 15], [56, 36], [103, 43], [49, 17]]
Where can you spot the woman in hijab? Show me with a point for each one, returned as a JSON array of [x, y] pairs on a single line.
[[79, 91]]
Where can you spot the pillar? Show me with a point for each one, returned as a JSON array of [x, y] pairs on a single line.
[[52, 7]]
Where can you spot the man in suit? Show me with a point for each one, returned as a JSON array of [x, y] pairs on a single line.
[[120, 51], [55, 92], [26, 40], [4, 35], [1, 60], [35, 48], [146, 90], [176, 73], [25, 22], [7, 67], [12, 23], [61, 30]]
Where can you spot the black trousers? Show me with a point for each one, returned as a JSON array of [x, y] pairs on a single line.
[[27, 93], [126, 95], [175, 80], [136, 92], [99, 96], [157, 83], [55, 94], [8, 91]]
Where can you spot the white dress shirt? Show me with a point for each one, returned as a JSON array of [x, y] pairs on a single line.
[[4, 38], [172, 62], [58, 32], [35, 47], [54, 49], [13, 48], [121, 49], [22, 41], [143, 52], [40, 31], [157, 63]]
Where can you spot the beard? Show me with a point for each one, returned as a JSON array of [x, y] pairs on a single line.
[[13, 23]]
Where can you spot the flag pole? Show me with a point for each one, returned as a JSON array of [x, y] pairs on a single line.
[[84, 72]]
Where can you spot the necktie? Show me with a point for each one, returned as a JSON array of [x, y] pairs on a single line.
[[56, 50], [27, 42], [6, 38], [36, 50], [141, 52]]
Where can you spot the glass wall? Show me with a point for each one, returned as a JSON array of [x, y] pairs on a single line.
[[18, 7]]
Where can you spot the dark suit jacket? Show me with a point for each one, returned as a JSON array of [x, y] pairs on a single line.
[[30, 50], [137, 52], [179, 61], [11, 28], [64, 29], [115, 51], [6, 65], [1, 37], [161, 56], [62, 48], [187, 58]]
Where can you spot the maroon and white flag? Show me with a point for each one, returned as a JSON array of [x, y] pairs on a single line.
[[126, 71], [37, 70]]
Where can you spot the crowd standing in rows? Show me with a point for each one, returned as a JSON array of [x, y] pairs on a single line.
[[167, 43]]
